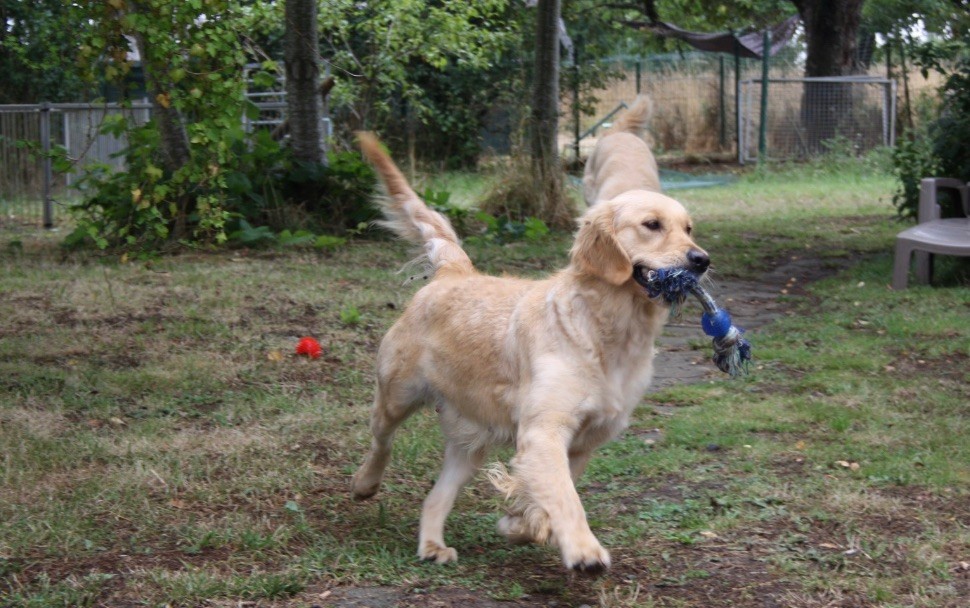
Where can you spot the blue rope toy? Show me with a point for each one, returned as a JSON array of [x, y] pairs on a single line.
[[731, 351]]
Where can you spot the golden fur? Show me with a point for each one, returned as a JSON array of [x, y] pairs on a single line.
[[554, 366], [622, 160]]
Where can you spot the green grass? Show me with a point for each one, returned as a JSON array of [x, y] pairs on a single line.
[[161, 444]]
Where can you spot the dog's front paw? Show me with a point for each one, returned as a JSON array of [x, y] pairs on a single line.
[[431, 551], [588, 557]]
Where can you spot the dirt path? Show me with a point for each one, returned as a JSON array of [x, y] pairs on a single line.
[[752, 304]]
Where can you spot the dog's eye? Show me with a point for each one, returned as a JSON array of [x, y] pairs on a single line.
[[652, 224], [690, 229]]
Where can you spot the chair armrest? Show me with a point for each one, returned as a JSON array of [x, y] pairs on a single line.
[[929, 209]]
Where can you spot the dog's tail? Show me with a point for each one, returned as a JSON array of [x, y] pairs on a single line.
[[408, 217], [636, 118]]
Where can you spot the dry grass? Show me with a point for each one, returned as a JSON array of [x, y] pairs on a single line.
[[687, 107]]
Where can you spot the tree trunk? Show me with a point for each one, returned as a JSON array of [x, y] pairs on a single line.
[[831, 33], [303, 101], [546, 169], [174, 140]]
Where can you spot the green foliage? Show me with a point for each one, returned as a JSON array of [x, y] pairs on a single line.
[[346, 188], [913, 159], [501, 229], [429, 74], [265, 197], [195, 67], [37, 37], [350, 315], [942, 147]]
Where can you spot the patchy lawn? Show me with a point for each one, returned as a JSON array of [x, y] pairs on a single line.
[[161, 444]]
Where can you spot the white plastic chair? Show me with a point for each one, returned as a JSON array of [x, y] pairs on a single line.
[[932, 235]]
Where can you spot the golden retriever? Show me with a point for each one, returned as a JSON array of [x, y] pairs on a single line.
[[622, 160], [554, 366]]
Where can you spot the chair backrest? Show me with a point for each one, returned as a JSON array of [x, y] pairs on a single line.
[[929, 208]]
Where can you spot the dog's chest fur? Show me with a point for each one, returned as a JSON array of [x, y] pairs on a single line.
[[560, 346]]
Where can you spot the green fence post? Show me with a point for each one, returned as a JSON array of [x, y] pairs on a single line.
[[763, 130], [722, 110], [737, 99]]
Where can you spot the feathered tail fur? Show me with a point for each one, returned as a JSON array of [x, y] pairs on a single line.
[[409, 217], [636, 118]]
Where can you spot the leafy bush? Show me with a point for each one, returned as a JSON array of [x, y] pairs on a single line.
[[913, 159], [943, 150], [266, 198]]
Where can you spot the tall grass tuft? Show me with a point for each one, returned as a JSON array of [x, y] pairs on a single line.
[[514, 193]]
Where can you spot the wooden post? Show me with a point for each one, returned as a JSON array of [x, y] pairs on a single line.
[[45, 144]]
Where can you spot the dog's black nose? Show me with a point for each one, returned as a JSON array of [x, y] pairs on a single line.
[[698, 260]]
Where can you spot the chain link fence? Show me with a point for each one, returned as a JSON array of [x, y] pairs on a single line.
[[693, 96], [29, 187], [708, 105], [807, 117]]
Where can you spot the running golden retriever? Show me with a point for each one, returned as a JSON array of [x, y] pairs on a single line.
[[554, 366]]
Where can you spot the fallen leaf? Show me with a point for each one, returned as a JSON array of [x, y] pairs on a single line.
[[854, 466], [829, 546], [116, 421], [177, 503], [843, 463], [800, 445], [274, 355], [708, 534]]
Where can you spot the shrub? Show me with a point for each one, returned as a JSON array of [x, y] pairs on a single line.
[[262, 193], [944, 148]]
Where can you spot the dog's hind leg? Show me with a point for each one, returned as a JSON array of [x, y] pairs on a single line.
[[459, 467], [394, 401]]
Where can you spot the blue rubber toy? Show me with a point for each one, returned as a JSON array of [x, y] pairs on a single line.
[[731, 351]]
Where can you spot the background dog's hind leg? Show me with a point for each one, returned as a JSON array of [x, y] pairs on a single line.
[[459, 467], [393, 403]]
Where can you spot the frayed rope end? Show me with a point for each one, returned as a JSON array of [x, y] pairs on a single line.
[[732, 352]]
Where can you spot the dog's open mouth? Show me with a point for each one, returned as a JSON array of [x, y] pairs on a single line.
[[641, 274]]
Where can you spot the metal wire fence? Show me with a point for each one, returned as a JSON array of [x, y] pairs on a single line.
[[708, 104], [693, 96], [29, 187], [806, 117], [31, 190]]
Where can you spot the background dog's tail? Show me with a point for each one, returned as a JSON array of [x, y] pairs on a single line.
[[407, 215], [636, 118]]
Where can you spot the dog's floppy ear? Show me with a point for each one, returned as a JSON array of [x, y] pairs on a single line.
[[596, 250]]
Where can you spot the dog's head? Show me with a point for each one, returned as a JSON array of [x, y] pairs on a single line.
[[623, 239]]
